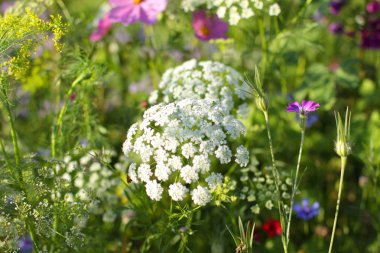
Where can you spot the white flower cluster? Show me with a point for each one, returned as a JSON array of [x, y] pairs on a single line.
[[203, 80], [91, 179], [234, 10], [176, 144]]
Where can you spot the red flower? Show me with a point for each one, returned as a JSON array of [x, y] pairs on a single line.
[[272, 227]]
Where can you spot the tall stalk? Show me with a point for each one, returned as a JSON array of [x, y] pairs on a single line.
[[276, 179], [343, 149], [16, 148], [295, 182], [342, 169], [57, 128]]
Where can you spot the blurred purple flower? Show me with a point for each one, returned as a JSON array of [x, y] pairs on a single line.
[[336, 28], [5, 5], [305, 210], [312, 118], [336, 6], [131, 11], [208, 27], [373, 7], [370, 35], [25, 244], [306, 107], [104, 26]]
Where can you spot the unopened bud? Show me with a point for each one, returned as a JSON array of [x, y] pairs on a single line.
[[262, 103], [342, 148]]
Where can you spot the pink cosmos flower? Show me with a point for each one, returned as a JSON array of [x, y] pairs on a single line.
[[306, 107], [104, 25], [131, 11], [209, 27], [373, 7]]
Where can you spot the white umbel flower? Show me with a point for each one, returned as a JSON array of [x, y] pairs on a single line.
[[214, 179], [154, 190], [199, 130], [230, 10], [242, 156], [177, 191], [274, 10], [202, 80], [200, 196]]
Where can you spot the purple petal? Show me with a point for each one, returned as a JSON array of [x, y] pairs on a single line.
[[294, 107], [309, 106]]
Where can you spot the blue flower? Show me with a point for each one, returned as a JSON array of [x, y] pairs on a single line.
[[305, 210], [25, 244]]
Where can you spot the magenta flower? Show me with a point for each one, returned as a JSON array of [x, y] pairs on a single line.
[[373, 7], [104, 25], [208, 27], [131, 11], [306, 107]]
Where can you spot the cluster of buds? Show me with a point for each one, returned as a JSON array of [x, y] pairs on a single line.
[[342, 143]]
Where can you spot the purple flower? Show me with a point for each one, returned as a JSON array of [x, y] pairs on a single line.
[[25, 244], [336, 28], [370, 35], [131, 11], [305, 210], [373, 7], [336, 6], [104, 25], [303, 109], [208, 27]]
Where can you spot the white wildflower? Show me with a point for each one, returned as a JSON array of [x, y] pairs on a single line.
[[200, 196], [242, 156], [214, 179], [274, 10], [154, 190], [177, 191]]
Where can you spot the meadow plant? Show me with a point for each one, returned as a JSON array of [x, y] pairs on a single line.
[[206, 149], [204, 80]]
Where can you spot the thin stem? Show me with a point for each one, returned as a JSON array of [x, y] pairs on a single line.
[[57, 128], [13, 135], [295, 182], [6, 158], [276, 181], [184, 240], [342, 169]]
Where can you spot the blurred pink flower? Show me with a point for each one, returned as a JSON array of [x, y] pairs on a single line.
[[373, 7], [131, 11], [209, 27], [104, 25]]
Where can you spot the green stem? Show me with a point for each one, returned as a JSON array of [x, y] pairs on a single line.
[[33, 237], [295, 182], [13, 135], [6, 158], [342, 169], [184, 239], [276, 181], [57, 128]]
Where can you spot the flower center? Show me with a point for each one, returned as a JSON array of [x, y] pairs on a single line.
[[204, 30], [137, 1]]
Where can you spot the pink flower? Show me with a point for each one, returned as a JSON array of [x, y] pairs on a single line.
[[104, 25], [131, 11], [373, 7], [306, 107], [209, 27]]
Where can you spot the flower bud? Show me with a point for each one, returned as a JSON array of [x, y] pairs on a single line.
[[262, 103], [342, 148], [342, 143]]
